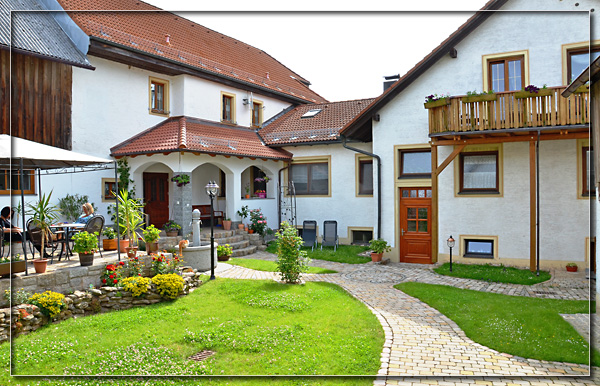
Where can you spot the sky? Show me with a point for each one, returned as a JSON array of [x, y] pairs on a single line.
[[343, 52]]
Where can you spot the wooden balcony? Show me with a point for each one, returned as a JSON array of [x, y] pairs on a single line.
[[511, 111]]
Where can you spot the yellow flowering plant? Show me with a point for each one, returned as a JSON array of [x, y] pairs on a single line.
[[168, 285], [49, 302], [137, 285]]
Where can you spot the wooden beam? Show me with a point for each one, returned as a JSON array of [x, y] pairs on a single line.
[[453, 155], [434, 206], [516, 138], [532, 207]]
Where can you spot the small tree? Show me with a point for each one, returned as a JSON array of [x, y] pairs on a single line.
[[291, 261], [70, 205]]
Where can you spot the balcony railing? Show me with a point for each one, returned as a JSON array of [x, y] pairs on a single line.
[[510, 110]]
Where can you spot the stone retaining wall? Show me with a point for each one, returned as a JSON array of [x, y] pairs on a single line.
[[27, 317]]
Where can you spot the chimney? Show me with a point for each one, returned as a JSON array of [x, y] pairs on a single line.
[[390, 80]]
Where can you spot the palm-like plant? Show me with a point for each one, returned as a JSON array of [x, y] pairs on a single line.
[[130, 216], [43, 214]]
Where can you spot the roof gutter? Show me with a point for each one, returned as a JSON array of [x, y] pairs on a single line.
[[343, 138]]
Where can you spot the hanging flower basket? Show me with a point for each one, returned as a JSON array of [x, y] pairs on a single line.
[[181, 179]]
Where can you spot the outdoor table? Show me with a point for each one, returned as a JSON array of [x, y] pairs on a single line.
[[67, 228]]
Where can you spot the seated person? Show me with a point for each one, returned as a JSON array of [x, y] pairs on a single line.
[[88, 213], [8, 228]]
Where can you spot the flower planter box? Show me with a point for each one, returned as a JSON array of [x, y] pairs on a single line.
[[17, 266], [527, 94], [172, 234], [438, 103], [479, 98], [262, 195]]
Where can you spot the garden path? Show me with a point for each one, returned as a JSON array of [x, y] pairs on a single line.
[[422, 342]]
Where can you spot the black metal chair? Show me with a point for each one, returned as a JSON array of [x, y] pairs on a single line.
[[34, 236], [330, 236], [309, 234], [95, 224]]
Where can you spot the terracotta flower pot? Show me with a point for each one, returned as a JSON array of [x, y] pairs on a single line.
[[122, 245], [250, 231], [571, 269], [247, 196], [152, 247], [240, 226], [86, 259], [40, 265], [109, 244], [131, 251], [376, 256], [226, 225]]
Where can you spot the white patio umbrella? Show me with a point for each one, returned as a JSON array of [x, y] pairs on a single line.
[[19, 153]]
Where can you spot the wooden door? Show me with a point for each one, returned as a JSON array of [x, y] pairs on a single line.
[[156, 198], [415, 225]]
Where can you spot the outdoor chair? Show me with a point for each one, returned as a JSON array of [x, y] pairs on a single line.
[[309, 234], [330, 236], [52, 242], [5, 247], [95, 224]]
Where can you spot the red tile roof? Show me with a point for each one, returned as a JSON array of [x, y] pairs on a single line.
[[291, 127], [189, 44], [198, 136]]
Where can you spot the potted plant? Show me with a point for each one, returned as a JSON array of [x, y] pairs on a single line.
[[130, 219], [247, 187], [261, 193], [181, 179], [43, 214], [172, 228], [572, 267], [151, 236], [227, 223], [85, 244], [258, 222], [110, 242], [378, 247], [15, 261], [224, 252], [243, 213]]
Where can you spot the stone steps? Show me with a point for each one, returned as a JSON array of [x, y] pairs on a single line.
[[244, 251], [238, 245], [225, 240]]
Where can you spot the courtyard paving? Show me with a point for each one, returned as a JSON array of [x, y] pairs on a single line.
[[422, 346]]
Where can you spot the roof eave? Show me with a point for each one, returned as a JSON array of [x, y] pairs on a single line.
[[186, 150]]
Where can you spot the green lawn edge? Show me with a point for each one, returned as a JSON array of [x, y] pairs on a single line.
[[270, 266], [493, 273], [516, 325]]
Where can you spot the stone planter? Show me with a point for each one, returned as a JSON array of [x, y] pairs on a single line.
[[40, 265], [86, 259], [17, 266], [109, 244]]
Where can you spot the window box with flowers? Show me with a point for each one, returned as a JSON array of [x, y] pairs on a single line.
[[17, 264], [474, 96], [261, 193], [532, 91], [436, 100]]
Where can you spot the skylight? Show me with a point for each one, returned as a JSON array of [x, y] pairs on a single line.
[[311, 113]]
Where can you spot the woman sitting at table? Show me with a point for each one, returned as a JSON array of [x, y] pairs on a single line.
[[88, 213], [8, 227]]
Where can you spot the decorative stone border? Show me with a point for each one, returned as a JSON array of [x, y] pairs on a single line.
[[27, 317]]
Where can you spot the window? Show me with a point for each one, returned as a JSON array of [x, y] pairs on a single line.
[[310, 178], [415, 164], [579, 59], [311, 113], [7, 182], [108, 186], [506, 74], [227, 108], [257, 116], [589, 178], [479, 172], [222, 183], [258, 185], [159, 96], [479, 248], [365, 177], [361, 237]]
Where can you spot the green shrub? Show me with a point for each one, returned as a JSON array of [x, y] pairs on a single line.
[[137, 285], [85, 242], [224, 250], [151, 234], [168, 285], [291, 262], [379, 246], [49, 302]]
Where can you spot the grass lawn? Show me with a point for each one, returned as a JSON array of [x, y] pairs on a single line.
[[344, 254], [269, 266], [255, 327], [498, 274], [517, 325]]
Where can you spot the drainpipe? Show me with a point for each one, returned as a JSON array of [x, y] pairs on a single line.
[[537, 203], [343, 138], [279, 193]]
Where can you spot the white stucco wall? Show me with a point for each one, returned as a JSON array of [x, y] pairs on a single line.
[[343, 205], [404, 121]]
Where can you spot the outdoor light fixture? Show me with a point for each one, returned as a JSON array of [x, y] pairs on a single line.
[[450, 242], [211, 190]]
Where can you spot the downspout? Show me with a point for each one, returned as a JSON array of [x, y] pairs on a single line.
[[537, 202], [343, 138], [279, 192]]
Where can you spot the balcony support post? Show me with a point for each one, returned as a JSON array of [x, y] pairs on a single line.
[[434, 204]]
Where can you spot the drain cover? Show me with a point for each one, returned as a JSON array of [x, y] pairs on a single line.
[[544, 292], [202, 355]]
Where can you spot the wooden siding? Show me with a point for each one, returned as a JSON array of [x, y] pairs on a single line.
[[509, 111], [41, 99]]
